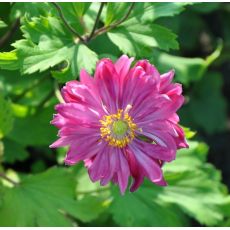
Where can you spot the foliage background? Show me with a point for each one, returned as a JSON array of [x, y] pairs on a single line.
[[40, 52]]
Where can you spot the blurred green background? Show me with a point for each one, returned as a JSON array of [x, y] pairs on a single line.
[[40, 50]]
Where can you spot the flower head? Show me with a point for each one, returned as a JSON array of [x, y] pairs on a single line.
[[122, 122]]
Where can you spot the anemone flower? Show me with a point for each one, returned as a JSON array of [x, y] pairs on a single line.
[[122, 122]]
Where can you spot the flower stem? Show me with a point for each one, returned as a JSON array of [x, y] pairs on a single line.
[[5, 38], [2, 175], [70, 28], [58, 93], [106, 28], [96, 21], [47, 98]]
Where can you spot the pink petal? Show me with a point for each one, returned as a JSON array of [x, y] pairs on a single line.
[[123, 173], [122, 65], [150, 167], [156, 151], [135, 170], [107, 82]]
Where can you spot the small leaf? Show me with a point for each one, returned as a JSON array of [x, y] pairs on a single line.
[[136, 39], [51, 47], [188, 132]]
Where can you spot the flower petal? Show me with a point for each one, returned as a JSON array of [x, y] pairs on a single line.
[[107, 82], [150, 167], [156, 151]]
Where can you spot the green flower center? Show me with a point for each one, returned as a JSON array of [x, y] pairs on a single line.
[[120, 128]]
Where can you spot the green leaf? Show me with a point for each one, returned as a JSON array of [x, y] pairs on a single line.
[[187, 69], [6, 117], [198, 194], [48, 44], [207, 110], [188, 132], [142, 209], [29, 9], [34, 129], [115, 11], [73, 13], [9, 60], [147, 12], [89, 208], [2, 24], [194, 157], [13, 152], [37, 200], [135, 39], [204, 7], [195, 185], [46, 199]]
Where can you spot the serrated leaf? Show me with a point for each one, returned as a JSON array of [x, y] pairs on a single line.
[[137, 40], [9, 60], [48, 44], [6, 117], [44, 200], [30, 9], [141, 209], [150, 11], [198, 194], [195, 185], [25, 205]]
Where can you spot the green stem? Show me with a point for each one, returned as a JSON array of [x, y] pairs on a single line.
[[5, 38], [70, 28], [58, 93], [106, 28], [96, 21]]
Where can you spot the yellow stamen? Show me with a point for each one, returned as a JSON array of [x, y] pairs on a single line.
[[118, 129]]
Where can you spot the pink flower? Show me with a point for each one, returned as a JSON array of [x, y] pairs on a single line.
[[122, 122]]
